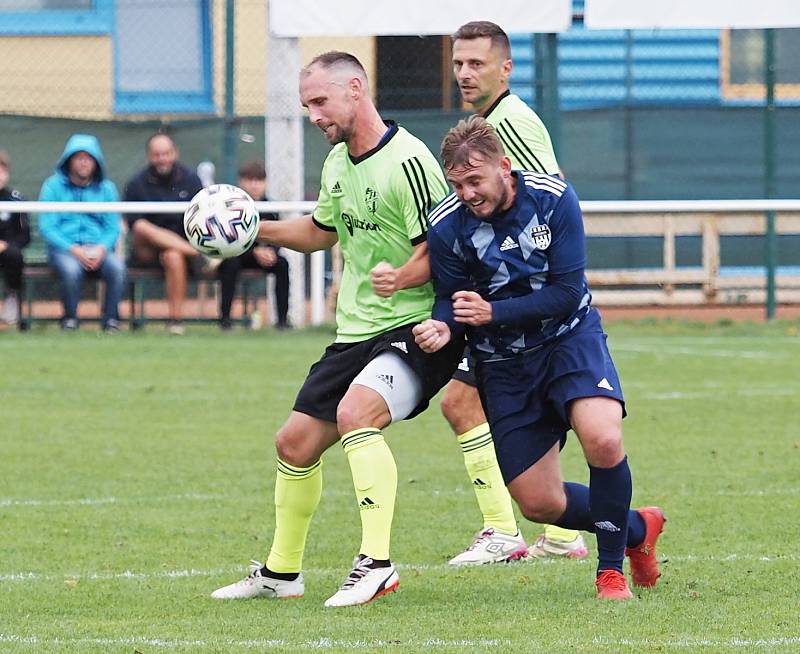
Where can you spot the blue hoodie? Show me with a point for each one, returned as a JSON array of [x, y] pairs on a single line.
[[63, 230]]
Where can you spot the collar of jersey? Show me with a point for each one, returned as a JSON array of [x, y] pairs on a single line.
[[500, 98], [390, 132]]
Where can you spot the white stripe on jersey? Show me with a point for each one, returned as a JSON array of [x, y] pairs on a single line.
[[544, 183], [539, 177], [446, 207]]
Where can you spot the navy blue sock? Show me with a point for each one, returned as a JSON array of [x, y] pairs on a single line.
[[610, 492], [636, 529], [577, 515]]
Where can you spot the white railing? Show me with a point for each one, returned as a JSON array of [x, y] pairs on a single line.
[[667, 219]]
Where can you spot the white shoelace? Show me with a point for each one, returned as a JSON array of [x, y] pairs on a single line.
[[360, 570], [482, 536]]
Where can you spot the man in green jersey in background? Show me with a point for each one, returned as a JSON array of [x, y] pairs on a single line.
[[482, 66], [378, 184]]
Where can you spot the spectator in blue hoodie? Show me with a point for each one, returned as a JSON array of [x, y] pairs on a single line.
[[81, 243]]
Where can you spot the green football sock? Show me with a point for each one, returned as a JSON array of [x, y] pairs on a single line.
[[375, 480], [559, 534], [297, 495], [480, 460]]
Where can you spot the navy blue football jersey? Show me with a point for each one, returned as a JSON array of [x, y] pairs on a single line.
[[508, 260]]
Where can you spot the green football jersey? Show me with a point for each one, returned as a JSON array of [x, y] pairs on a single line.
[[378, 205], [525, 138]]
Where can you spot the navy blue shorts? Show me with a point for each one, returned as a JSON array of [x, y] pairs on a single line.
[[526, 398]]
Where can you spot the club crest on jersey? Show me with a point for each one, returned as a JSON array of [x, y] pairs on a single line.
[[371, 200], [541, 236]]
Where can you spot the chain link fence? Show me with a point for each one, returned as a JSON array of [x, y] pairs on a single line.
[[634, 114], [645, 114]]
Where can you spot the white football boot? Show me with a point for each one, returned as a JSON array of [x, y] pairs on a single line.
[[257, 584], [545, 547], [364, 583], [491, 546]]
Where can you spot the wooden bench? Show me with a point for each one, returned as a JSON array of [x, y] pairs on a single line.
[[37, 272]]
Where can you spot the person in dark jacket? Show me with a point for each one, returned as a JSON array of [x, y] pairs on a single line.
[[80, 243], [159, 239], [253, 179], [15, 234]]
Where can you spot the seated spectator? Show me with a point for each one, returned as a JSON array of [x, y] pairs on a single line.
[[15, 234], [159, 239], [80, 243], [253, 179]]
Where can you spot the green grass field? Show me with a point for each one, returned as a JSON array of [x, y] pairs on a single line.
[[136, 476]]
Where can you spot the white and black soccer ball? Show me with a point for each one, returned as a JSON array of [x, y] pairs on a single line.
[[221, 221]]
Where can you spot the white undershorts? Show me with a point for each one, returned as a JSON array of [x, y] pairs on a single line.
[[394, 380]]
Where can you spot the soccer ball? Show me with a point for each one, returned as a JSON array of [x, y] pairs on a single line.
[[221, 221]]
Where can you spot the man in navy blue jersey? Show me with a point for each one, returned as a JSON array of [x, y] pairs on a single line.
[[507, 254]]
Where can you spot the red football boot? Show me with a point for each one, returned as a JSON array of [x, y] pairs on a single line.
[[611, 585], [644, 565]]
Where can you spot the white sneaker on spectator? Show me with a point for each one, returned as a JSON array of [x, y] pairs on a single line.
[[491, 546], [10, 312], [176, 328], [259, 584], [544, 547], [364, 583]]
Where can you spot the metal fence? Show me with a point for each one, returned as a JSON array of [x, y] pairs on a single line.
[[687, 252], [634, 114], [645, 114]]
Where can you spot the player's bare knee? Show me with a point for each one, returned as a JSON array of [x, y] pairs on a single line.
[[350, 416], [539, 510], [604, 450], [293, 448]]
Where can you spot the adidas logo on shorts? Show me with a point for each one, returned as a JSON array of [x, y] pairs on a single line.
[[401, 345]]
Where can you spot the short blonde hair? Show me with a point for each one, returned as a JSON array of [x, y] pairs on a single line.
[[470, 139]]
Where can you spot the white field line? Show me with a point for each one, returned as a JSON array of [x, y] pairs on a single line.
[[416, 567], [704, 395], [782, 340], [760, 492], [9, 502], [99, 501], [695, 643], [428, 643], [319, 644], [668, 350]]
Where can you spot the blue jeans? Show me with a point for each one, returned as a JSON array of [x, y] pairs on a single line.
[[71, 273]]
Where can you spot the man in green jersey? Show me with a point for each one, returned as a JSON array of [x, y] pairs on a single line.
[[378, 184], [482, 66]]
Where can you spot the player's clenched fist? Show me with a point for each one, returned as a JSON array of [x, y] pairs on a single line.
[[470, 308], [431, 335], [384, 279]]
